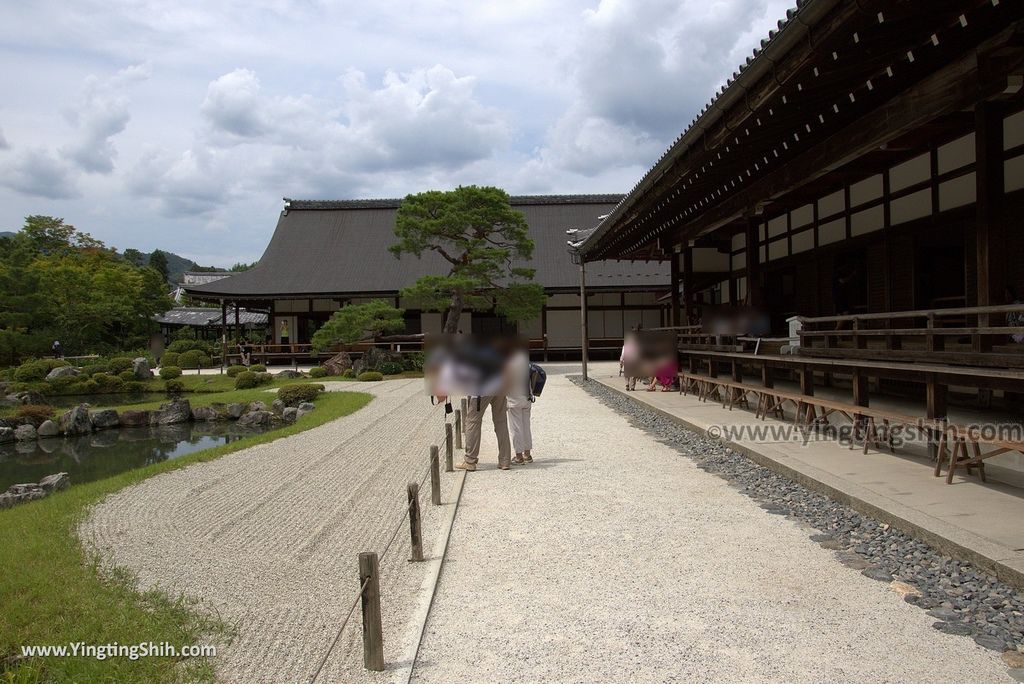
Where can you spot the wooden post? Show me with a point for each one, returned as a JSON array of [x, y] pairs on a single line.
[[584, 333], [435, 476], [688, 293], [223, 334], [675, 315], [415, 533], [448, 467], [936, 407], [753, 261], [373, 632], [465, 412], [458, 427], [990, 245]]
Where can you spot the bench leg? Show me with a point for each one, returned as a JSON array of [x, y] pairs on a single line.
[[978, 460], [953, 457], [940, 452]]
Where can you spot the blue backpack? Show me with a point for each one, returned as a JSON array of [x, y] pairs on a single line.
[[537, 379]]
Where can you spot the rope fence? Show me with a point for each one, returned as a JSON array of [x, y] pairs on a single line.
[[368, 594]]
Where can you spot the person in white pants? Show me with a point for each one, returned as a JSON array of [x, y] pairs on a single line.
[[520, 402]]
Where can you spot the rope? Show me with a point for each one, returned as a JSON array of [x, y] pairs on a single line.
[[359, 594]]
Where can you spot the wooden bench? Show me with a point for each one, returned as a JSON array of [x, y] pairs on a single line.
[[958, 457]]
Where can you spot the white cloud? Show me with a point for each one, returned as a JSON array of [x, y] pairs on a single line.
[[37, 172], [4, 145], [100, 112]]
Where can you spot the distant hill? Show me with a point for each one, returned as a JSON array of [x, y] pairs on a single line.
[[6, 233], [176, 265]]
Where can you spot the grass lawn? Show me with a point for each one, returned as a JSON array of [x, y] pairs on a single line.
[[53, 593]]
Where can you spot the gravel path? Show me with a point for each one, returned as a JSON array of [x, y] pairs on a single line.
[[268, 537], [612, 558]]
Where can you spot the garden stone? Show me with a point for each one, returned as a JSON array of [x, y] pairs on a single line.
[[1017, 673], [177, 411], [205, 414], [24, 433], [135, 418], [257, 406], [141, 369], [338, 364], [304, 408], [290, 414], [957, 628], [106, 418], [236, 410], [31, 397], [277, 406], [289, 374], [6, 434], [47, 428], [256, 419], [1013, 659], [62, 372], [76, 421], [10, 400], [55, 482]]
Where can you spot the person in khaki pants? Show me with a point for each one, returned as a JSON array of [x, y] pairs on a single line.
[[474, 425]]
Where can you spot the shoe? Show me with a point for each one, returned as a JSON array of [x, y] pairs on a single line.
[[527, 458], [504, 467], [467, 466], [518, 459]]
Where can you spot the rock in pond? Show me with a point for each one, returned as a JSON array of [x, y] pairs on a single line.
[[136, 418], [62, 372], [24, 433], [205, 414], [257, 406], [52, 483], [177, 411], [141, 369], [48, 428], [6, 434], [304, 408], [236, 410], [105, 418], [277, 406], [76, 421]]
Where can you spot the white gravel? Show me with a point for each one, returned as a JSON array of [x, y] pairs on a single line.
[[268, 537], [613, 559]]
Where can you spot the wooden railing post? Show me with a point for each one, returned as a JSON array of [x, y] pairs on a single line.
[[435, 476], [458, 428], [373, 632], [415, 533], [464, 405], [448, 448]]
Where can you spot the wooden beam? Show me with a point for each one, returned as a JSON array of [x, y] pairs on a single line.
[[990, 233], [688, 283], [754, 295], [674, 280]]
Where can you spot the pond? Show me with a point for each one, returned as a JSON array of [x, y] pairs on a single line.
[[109, 452]]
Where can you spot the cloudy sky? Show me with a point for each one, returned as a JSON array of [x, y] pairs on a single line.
[[180, 124]]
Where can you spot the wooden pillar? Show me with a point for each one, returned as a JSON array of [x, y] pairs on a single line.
[[990, 246], [584, 334], [223, 332], [238, 325], [675, 316], [688, 293], [754, 294]]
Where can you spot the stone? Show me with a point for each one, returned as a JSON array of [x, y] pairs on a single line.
[[20, 493], [257, 406], [289, 374], [141, 369], [904, 589], [205, 414], [277, 406], [304, 408], [31, 397], [172, 413], [290, 413], [6, 434], [24, 433], [136, 418], [956, 628], [62, 372], [256, 419], [10, 400], [104, 419], [1016, 673], [990, 642], [943, 614], [236, 410], [1013, 659], [55, 482], [76, 421], [48, 428], [338, 364]]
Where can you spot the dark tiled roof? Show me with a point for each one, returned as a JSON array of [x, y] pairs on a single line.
[[196, 316], [323, 248]]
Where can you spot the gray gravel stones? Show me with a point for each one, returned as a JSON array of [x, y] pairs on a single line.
[[974, 602]]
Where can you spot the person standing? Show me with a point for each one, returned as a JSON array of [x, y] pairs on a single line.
[[520, 402], [58, 350], [474, 425], [284, 333], [629, 360]]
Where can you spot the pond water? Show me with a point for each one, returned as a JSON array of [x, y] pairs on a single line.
[[108, 452]]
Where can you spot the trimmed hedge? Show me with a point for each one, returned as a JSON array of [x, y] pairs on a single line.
[[370, 376], [174, 386], [258, 368], [181, 346], [119, 364], [170, 359], [170, 372], [126, 375], [37, 370], [293, 395], [194, 359], [107, 384], [390, 368], [233, 371], [349, 373], [318, 372], [249, 379]]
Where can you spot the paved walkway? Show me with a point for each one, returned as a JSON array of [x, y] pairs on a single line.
[[981, 521], [613, 558], [269, 536]]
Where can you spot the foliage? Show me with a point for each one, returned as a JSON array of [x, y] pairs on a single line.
[[136, 387], [355, 322], [180, 346], [245, 380], [118, 364], [59, 283], [232, 371], [349, 373], [476, 230], [174, 387], [34, 371], [413, 361], [370, 376], [258, 368], [35, 413], [390, 367], [194, 359], [170, 358], [107, 384], [158, 262], [126, 375], [316, 372], [170, 372], [293, 395]]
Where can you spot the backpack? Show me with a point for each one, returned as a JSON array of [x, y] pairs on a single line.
[[537, 379]]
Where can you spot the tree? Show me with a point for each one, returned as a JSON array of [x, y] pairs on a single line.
[[476, 230], [158, 262], [134, 257], [355, 322], [239, 267]]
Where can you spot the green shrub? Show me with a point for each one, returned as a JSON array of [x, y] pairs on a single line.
[[119, 364], [107, 384], [245, 380], [194, 359], [235, 370], [170, 359], [370, 376], [413, 361], [317, 372], [89, 386], [349, 373], [31, 371], [258, 368], [264, 378], [170, 372], [293, 395], [136, 387], [390, 368], [127, 376], [95, 368], [181, 346], [174, 386]]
